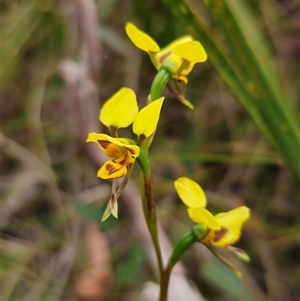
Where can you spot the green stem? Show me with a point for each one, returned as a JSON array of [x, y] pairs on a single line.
[[196, 234], [158, 85], [164, 284], [150, 216], [149, 204], [184, 244]]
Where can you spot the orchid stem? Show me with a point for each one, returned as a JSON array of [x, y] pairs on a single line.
[[181, 247], [164, 284], [151, 219]]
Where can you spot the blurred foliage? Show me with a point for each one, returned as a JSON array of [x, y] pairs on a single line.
[[250, 75], [51, 189]]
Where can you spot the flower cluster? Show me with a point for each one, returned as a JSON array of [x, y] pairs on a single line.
[[223, 229], [121, 110], [175, 61]]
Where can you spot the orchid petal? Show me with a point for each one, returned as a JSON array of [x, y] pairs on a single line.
[[191, 51], [112, 170], [120, 110], [202, 216], [147, 118], [190, 193]]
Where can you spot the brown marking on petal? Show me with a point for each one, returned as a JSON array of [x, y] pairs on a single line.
[[110, 169], [164, 56], [131, 151], [186, 64], [104, 143], [219, 234]]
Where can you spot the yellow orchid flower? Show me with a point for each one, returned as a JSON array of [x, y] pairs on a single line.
[[120, 111], [120, 149], [179, 57], [223, 229]]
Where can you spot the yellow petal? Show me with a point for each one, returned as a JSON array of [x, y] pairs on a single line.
[[222, 238], [140, 39], [178, 41], [120, 110], [187, 69], [202, 216], [112, 170], [191, 51], [147, 118], [166, 51], [109, 145], [168, 57], [190, 192], [113, 150], [234, 219], [231, 223], [114, 147], [94, 137]]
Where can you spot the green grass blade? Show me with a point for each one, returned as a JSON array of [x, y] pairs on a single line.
[[239, 66]]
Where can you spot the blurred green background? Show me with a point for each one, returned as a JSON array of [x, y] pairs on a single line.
[[240, 143]]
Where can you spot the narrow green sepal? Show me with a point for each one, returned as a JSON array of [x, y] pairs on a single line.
[[143, 161], [160, 81]]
